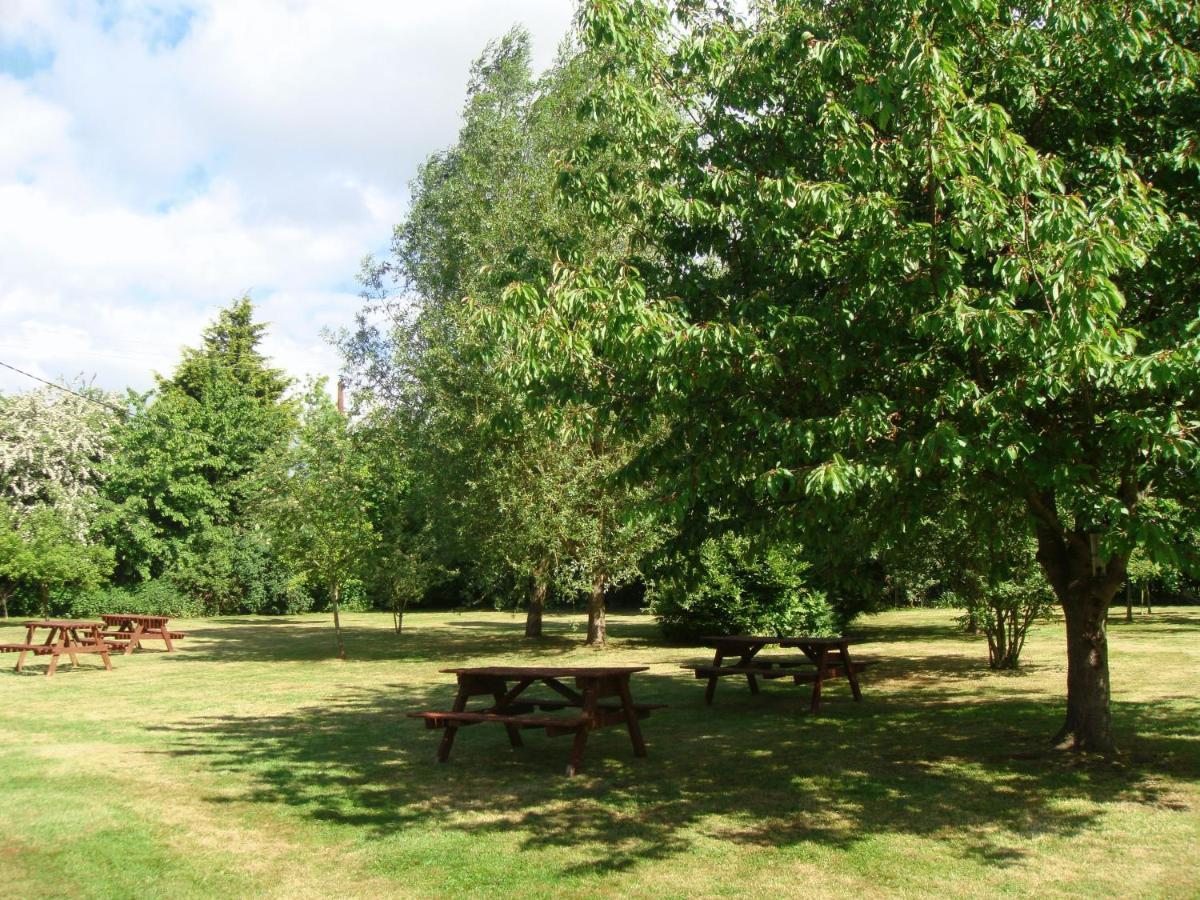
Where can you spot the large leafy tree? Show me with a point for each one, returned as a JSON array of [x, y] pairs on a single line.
[[187, 465], [509, 496], [895, 248]]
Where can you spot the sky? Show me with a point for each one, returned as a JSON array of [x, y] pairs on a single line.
[[159, 159]]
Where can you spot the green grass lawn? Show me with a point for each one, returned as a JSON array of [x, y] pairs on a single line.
[[252, 763]]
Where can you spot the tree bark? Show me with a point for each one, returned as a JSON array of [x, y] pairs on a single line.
[[537, 603], [597, 632], [1089, 717], [1085, 595], [398, 611], [337, 624], [1128, 604]]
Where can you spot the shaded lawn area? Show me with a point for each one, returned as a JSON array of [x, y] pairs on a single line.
[[250, 762]]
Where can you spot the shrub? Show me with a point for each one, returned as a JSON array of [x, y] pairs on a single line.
[[152, 598], [232, 570], [734, 588], [1004, 611]]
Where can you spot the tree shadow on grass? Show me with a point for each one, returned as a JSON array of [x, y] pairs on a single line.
[[749, 771], [300, 640]]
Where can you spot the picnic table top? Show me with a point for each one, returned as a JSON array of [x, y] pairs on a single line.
[[546, 671], [776, 639], [62, 623], [130, 617]]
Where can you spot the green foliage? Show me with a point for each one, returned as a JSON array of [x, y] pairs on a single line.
[[501, 495], [887, 249], [315, 504], [1005, 611], [150, 598], [734, 587], [179, 487], [234, 569], [44, 555]]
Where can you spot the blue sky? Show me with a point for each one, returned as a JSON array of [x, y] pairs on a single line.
[[158, 159]]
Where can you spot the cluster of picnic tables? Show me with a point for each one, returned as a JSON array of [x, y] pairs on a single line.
[[581, 699], [602, 696], [72, 638]]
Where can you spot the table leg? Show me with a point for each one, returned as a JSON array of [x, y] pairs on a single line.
[[28, 640], [70, 639], [822, 667], [55, 652], [514, 733], [102, 647], [460, 703], [631, 719], [851, 675], [581, 733], [712, 679], [746, 661], [135, 639]]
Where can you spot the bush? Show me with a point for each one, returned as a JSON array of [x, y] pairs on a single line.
[[232, 570], [734, 588], [1005, 611], [152, 598]]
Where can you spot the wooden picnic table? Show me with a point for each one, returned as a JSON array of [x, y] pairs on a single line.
[[71, 637], [825, 658], [128, 631], [514, 711]]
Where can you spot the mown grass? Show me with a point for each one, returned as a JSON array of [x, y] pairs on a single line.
[[251, 763]]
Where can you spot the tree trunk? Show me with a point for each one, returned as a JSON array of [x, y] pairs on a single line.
[[398, 611], [1128, 603], [4, 602], [1089, 717], [44, 595], [1085, 594], [337, 624], [972, 626], [597, 632], [537, 604]]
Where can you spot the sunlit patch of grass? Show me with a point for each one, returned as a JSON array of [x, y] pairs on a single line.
[[252, 762]]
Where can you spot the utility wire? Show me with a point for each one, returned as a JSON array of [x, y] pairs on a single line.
[[66, 390]]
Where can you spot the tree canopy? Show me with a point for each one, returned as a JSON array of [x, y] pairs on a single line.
[[887, 248]]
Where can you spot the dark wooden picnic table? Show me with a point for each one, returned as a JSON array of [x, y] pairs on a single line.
[[825, 658], [127, 631], [69, 637], [506, 686]]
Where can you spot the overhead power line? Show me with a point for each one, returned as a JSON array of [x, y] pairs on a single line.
[[66, 390]]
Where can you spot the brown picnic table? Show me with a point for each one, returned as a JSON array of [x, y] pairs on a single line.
[[126, 632], [506, 686], [69, 637], [825, 658]]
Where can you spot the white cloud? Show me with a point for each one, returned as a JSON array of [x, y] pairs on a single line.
[[158, 159]]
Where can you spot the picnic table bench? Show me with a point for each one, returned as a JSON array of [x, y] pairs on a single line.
[[825, 658], [515, 712], [70, 637], [126, 632]]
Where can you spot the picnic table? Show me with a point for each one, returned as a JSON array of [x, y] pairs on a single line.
[[71, 637], [825, 658], [506, 686], [128, 631]]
